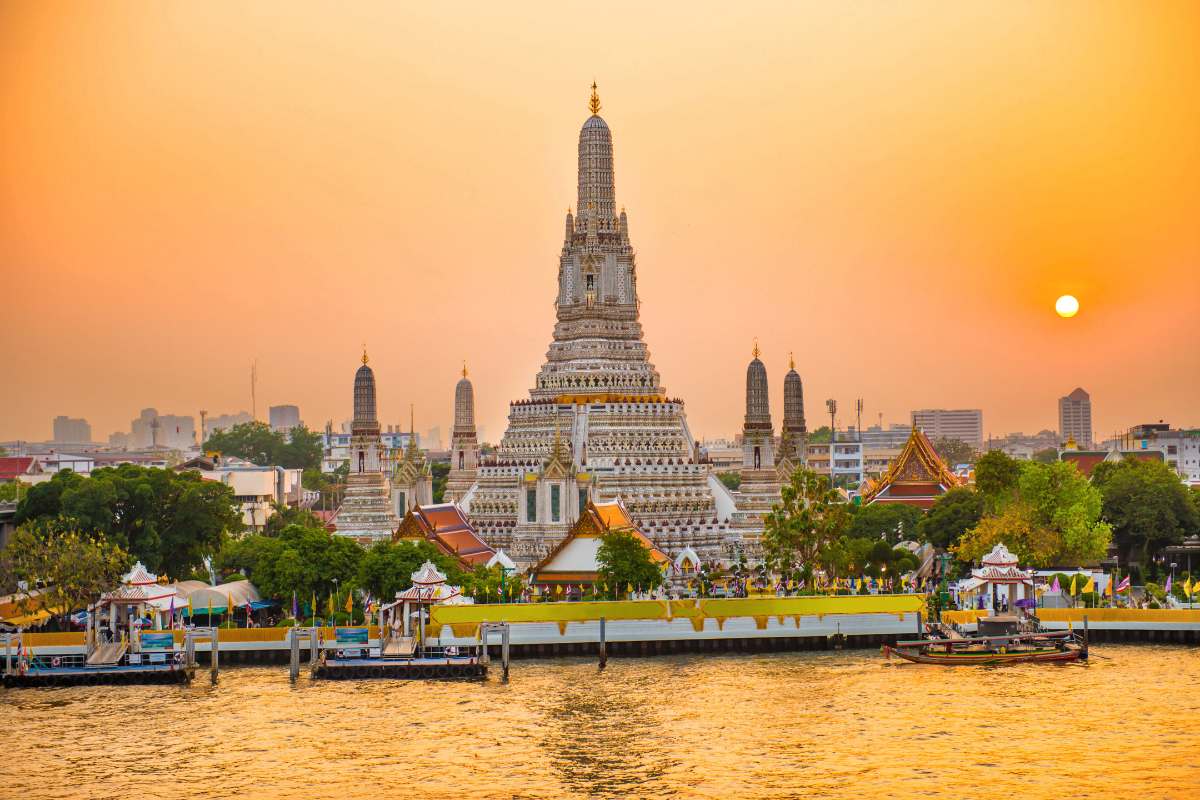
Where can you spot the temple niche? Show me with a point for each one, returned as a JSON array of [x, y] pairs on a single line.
[[366, 514]]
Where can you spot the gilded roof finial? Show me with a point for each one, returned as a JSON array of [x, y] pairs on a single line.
[[757, 352], [365, 359], [594, 105], [464, 368], [791, 361]]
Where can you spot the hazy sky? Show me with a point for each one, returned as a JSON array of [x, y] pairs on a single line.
[[896, 192]]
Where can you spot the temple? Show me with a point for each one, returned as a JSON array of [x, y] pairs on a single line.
[[464, 446], [598, 424], [917, 477], [761, 480], [446, 527], [366, 514], [412, 478]]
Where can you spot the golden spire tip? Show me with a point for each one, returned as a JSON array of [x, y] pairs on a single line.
[[594, 104], [791, 361], [364, 358], [464, 368], [757, 352]]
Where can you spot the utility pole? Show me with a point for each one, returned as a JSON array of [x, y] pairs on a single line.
[[832, 406]]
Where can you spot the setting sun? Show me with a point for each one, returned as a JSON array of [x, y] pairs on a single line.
[[1066, 306]]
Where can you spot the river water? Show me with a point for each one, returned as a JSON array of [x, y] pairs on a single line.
[[829, 724]]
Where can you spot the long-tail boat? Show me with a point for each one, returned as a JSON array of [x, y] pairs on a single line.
[[1018, 648]]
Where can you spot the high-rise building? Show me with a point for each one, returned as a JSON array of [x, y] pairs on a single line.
[[1075, 417], [152, 429], [225, 422], [964, 424], [598, 423], [433, 438], [284, 418], [72, 431]]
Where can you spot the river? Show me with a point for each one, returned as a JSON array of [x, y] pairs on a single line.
[[829, 724]]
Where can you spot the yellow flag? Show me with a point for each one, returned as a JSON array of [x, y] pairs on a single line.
[[1108, 588], [629, 587], [1073, 577], [350, 603], [331, 607], [1091, 585], [1187, 587], [189, 606]]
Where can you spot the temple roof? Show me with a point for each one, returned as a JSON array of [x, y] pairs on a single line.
[[576, 553], [917, 465], [446, 526], [428, 575]]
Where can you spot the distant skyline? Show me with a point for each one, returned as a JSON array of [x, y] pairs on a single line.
[[897, 194]]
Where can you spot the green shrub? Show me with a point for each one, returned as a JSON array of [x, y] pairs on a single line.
[[872, 570], [227, 625], [881, 553], [1154, 604], [285, 623], [199, 576], [234, 578], [1090, 599]]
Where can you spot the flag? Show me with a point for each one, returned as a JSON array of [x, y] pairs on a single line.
[[1187, 587], [629, 588], [295, 611], [247, 613], [1055, 587], [350, 602], [189, 607], [210, 608], [1108, 589], [1168, 589], [1090, 586], [314, 604], [1073, 586], [1124, 584], [331, 605]]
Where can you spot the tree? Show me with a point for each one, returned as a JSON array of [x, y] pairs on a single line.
[[954, 451], [820, 436], [1053, 518], [809, 520], [491, 585], [284, 515], [303, 561], [167, 520], [996, 476], [952, 515], [258, 444], [1046, 456], [731, 479], [893, 520], [440, 473], [388, 567], [74, 567], [623, 559], [1146, 503], [12, 492]]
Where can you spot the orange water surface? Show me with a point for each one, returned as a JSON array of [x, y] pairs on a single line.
[[829, 724]]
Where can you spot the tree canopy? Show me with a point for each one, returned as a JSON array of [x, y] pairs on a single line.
[[167, 520], [258, 444], [304, 561], [1146, 503], [731, 479], [952, 515], [896, 521], [954, 451], [810, 519], [1051, 518], [75, 567], [996, 475], [388, 567], [624, 560], [820, 436]]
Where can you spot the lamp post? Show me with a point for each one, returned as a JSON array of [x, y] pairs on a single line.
[[1172, 577]]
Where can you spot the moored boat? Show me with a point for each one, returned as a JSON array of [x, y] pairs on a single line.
[[1022, 648]]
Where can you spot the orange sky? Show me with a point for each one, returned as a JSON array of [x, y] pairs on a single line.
[[897, 192]]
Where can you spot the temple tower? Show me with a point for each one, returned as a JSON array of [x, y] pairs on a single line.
[[598, 424], [793, 444], [759, 490], [758, 435], [464, 445], [412, 478], [366, 513]]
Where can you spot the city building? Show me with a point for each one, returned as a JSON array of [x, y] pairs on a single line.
[[367, 513], [877, 461], [284, 418], [1085, 460], [724, 455], [153, 430], [1075, 417], [223, 422], [917, 477], [964, 424], [1179, 448], [846, 465], [27, 468], [598, 423], [433, 438], [875, 437], [257, 489], [72, 431], [1018, 442]]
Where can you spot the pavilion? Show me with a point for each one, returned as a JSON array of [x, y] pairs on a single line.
[[447, 527], [918, 476]]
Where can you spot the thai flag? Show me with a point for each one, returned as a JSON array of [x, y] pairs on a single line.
[[1124, 584]]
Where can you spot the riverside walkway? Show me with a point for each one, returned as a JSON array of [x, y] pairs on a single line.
[[653, 627]]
